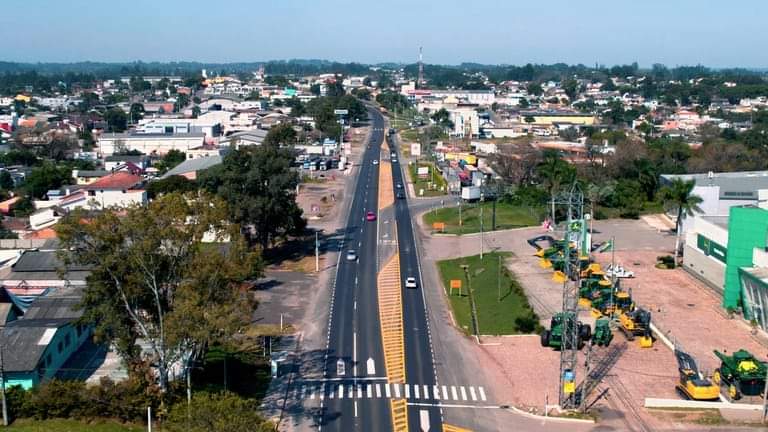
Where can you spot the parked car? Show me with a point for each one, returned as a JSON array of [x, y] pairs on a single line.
[[618, 271], [410, 282], [351, 255], [370, 216]]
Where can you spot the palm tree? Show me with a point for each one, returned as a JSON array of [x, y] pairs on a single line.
[[597, 193], [678, 195]]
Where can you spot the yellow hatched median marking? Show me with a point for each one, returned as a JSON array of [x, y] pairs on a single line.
[[386, 194], [391, 319], [449, 428]]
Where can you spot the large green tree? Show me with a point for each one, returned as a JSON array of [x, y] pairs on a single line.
[[117, 120], [679, 196], [46, 177], [260, 187], [281, 135], [152, 277]]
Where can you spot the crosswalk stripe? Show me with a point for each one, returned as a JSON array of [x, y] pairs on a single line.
[[322, 392], [303, 391], [463, 393], [312, 392], [359, 391], [397, 390], [386, 390], [407, 391], [445, 392], [416, 391], [378, 390], [472, 393], [453, 393], [426, 391], [436, 391], [331, 394], [368, 391], [351, 391], [341, 391], [482, 394]]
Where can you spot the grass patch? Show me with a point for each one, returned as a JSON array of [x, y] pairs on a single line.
[[512, 315], [64, 425], [410, 135], [245, 373], [507, 216], [433, 185]]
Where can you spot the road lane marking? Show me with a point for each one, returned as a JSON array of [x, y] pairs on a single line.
[[351, 392], [355, 408], [369, 391], [341, 391], [397, 391], [387, 391], [472, 393], [424, 420], [436, 391], [359, 391], [312, 392], [453, 393], [407, 391], [463, 393], [303, 391], [445, 392], [378, 390], [416, 391], [426, 391], [482, 393], [370, 366], [322, 392]]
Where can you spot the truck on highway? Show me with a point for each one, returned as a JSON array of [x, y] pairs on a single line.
[[470, 193]]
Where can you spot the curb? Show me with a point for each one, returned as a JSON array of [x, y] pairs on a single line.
[[550, 418]]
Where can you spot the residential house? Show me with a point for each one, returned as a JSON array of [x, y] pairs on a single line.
[[111, 163], [191, 167], [119, 189], [149, 143], [84, 177], [247, 138], [37, 273]]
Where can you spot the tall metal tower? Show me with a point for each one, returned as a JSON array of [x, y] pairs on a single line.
[[420, 80], [573, 200]]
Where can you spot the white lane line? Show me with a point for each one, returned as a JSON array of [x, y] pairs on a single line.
[[472, 393], [341, 391], [355, 408], [416, 391], [312, 392], [436, 391], [355, 305], [426, 391], [378, 390], [359, 391], [354, 353], [407, 391], [445, 392], [331, 394], [387, 390], [482, 393], [463, 393], [351, 391], [369, 391], [397, 390], [322, 392], [454, 394]]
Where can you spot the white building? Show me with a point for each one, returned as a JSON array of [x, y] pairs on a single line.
[[159, 144]]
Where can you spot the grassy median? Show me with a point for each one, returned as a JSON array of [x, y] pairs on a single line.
[[507, 216], [512, 315]]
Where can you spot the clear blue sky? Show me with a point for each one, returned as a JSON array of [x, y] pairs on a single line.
[[673, 32]]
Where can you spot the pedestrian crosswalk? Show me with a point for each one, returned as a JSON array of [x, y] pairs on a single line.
[[378, 390]]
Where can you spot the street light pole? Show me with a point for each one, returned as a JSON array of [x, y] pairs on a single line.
[[481, 227]]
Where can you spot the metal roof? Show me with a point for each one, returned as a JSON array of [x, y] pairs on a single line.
[[43, 261], [193, 165], [740, 185]]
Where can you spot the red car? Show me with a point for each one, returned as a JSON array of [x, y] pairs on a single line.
[[370, 216]]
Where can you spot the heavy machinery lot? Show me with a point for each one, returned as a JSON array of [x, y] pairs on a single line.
[[686, 311]]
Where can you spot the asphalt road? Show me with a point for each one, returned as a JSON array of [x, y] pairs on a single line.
[[354, 354], [418, 344]]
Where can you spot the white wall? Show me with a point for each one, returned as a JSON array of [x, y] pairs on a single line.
[[147, 145]]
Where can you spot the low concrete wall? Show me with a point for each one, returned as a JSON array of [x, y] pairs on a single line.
[[679, 403], [21, 243]]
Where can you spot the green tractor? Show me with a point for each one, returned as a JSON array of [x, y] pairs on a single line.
[[741, 373], [553, 338], [603, 334]]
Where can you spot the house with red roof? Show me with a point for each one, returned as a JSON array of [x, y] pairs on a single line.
[[119, 189]]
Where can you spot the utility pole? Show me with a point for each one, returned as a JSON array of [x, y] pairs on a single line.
[[317, 253], [461, 229], [149, 418], [481, 226], [498, 279]]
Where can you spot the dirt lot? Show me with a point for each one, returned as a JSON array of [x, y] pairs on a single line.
[[682, 307]]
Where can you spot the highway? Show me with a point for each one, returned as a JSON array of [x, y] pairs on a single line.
[[419, 356], [354, 357]]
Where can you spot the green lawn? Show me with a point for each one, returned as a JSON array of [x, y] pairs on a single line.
[[511, 315], [507, 216], [434, 185], [28, 425], [410, 135]]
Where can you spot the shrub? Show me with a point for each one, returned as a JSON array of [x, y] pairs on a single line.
[[216, 412]]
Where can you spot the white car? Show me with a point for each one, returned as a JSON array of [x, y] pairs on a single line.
[[351, 255], [410, 282], [619, 272], [375, 161]]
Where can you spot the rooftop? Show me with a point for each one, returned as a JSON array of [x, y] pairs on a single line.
[[193, 165], [740, 185], [141, 136], [118, 180]]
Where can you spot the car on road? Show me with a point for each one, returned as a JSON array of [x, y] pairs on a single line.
[[399, 185], [351, 255], [400, 195], [394, 160], [370, 216], [375, 161], [410, 282]]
